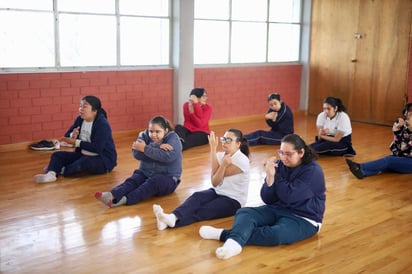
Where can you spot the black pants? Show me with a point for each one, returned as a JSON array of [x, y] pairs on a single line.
[[191, 139]]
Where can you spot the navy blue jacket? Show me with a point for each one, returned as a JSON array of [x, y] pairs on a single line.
[[300, 190], [101, 140], [283, 122], [155, 160]]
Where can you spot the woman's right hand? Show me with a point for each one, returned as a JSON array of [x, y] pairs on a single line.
[[213, 141]]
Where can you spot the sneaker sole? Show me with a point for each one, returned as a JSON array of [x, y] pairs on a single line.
[[42, 148]]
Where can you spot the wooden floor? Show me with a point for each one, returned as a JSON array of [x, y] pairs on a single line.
[[61, 228]]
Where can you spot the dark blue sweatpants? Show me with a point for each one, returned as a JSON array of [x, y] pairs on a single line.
[[75, 163], [205, 205], [138, 187]]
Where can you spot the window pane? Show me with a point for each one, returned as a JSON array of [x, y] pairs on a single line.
[[27, 4], [248, 42], [284, 40], [144, 41], [93, 6], [30, 39], [87, 40], [284, 11], [211, 42], [212, 9], [252, 10], [144, 7]]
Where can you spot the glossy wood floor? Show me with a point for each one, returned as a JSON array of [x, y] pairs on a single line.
[[61, 228]]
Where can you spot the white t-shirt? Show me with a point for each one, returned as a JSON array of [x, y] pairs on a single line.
[[339, 123], [85, 133], [235, 186]]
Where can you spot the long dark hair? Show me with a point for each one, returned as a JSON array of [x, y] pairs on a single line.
[[335, 102], [162, 122], [96, 104], [298, 143], [406, 109], [244, 143]]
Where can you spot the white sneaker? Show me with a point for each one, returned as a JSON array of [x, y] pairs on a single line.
[[45, 178]]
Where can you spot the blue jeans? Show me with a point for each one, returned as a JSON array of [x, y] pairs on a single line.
[[389, 163], [268, 226], [138, 187], [205, 205], [261, 137]]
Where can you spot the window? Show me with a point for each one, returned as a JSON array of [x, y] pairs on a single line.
[[246, 31], [84, 33]]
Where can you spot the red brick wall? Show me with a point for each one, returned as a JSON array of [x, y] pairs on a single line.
[[36, 106], [242, 91]]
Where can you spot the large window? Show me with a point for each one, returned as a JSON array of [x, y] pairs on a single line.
[[84, 33], [246, 31]]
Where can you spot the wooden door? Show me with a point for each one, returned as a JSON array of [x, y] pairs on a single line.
[[332, 46], [359, 53], [382, 60]]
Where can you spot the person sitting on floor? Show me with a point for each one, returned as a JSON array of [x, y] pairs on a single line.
[[230, 181], [334, 130], [280, 119], [197, 113], [294, 196], [401, 159]]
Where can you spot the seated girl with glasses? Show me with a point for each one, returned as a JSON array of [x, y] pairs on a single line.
[[230, 183], [279, 118], [401, 159], [294, 196], [334, 130]]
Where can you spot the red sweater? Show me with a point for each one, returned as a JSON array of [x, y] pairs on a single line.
[[199, 119]]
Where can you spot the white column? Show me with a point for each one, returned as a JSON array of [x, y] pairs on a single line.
[[182, 52]]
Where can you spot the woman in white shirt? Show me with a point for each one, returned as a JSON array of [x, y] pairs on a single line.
[[230, 184], [334, 130]]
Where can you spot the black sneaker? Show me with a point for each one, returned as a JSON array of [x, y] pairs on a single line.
[[43, 145], [355, 169]]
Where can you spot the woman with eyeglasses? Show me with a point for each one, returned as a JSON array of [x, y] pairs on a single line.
[[334, 130], [230, 184], [294, 196], [279, 118], [401, 159], [197, 113]]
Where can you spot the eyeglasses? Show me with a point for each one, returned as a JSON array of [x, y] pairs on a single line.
[[286, 154], [226, 140]]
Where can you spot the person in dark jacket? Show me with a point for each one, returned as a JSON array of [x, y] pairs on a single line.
[[91, 135], [279, 118], [159, 151], [294, 196]]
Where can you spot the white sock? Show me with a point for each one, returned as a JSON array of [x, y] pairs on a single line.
[[157, 209], [229, 249], [45, 178], [210, 233], [169, 219]]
